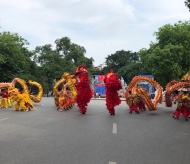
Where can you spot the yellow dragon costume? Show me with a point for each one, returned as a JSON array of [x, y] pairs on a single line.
[[23, 100], [66, 97]]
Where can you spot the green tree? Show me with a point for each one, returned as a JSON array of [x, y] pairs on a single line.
[[120, 59], [15, 58], [63, 46], [169, 57], [129, 71], [73, 53], [187, 3], [66, 57], [52, 64], [124, 63]]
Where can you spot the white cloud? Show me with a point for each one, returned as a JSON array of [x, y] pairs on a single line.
[[101, 26]]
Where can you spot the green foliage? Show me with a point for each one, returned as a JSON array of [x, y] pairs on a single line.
[[120, 59], [187, 3], [14, 57], [44, 65], [166, 59], [98, 72], [169, 57], [63, 46], [124, 63], [52, 64], [65, 58], [130, 71], [72, 52]]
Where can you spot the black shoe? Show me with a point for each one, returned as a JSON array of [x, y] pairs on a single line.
[[130, 112], [137, 112], [112, 114]]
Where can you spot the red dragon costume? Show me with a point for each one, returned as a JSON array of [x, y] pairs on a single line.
[[84, 92], [112, 84]]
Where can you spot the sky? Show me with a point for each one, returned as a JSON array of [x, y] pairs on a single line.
[[102, 27]]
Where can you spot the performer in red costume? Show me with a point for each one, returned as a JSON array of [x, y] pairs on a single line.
[[133, 101], [183, 106], [84, 92], [113, 85], [141, 103]]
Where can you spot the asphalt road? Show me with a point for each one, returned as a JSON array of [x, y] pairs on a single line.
[[47, 136]]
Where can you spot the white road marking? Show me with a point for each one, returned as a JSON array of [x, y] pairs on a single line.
[[114, 131], [112, 163], [3, 119]]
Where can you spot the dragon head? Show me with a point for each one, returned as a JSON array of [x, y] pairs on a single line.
[[81, 69]]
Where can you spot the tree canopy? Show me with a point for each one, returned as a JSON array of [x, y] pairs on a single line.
[[169, 57], [44, 64], [15, 58], [166, 59], [124, 63], [66, 57], [187, 3]]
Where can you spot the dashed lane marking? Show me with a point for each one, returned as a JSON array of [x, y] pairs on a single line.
[[3, 119], [114, 131], [112, 163]]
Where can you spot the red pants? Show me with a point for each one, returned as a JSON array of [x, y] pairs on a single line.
[[177, 113], [133, 107], [141, 105], [183, 110]]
